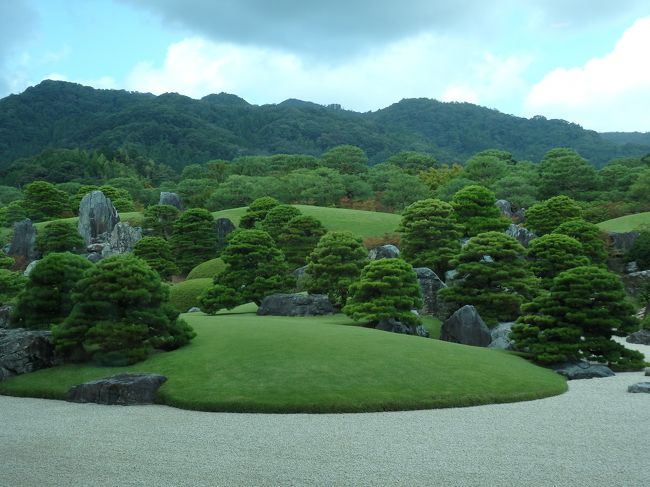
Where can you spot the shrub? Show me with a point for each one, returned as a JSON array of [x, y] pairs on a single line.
[[193, 238], [185, 295], [43, 201], [208, 269], [553, 253], [11, 284], [640, 251], [159, 220], [277, 218], [257, 211], [59, 236], [298, 239], [476, 211], [589, 235], [544, 217], [155, 251]]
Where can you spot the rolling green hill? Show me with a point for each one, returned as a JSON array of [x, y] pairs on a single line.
[[627, 223]]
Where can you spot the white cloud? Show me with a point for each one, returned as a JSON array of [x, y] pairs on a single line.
[[607, 93], [424, 65]]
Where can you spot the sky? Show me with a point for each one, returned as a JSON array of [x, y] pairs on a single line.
[[583, 61]]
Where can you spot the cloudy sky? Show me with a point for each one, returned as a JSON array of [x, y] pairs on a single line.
[[586, 61]]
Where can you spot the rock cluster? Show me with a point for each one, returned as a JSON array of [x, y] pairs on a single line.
[[97, 217], [582, 370], [296, 305], [521, 234], [120, 389], [500, 336], [641, 337], [384, 252], [23, 351], [396, 326]]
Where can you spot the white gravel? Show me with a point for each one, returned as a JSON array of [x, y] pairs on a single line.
[[597, 434]]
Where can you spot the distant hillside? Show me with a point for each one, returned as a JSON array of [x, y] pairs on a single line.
[[634, 138], [177, 130]]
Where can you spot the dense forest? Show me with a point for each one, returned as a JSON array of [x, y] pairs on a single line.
[[175, 130]]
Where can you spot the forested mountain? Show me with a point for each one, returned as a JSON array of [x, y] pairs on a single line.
[[177, 130]]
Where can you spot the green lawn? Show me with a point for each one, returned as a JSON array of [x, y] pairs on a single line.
[[626, 223], [362, 223], [241, 362]]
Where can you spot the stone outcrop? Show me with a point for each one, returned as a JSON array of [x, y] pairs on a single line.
[[172, 199], [622, 242], [429, 283], [384, 252], [6, 312], [97, 216], [123, 239], [28, 270], [636, 281], [582, 370], [21, 247], [395, 326], [467, 327], [296, 305], [641, 337], [23, 351], [505, 208], [222, 228], [643, 387], [521, 234], [120, 389], [500, 336]]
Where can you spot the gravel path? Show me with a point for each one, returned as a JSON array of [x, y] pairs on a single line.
[[596, 434]]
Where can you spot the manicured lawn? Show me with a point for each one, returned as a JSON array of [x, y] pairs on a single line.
[[626, 223], [362, 223], [241, 362]]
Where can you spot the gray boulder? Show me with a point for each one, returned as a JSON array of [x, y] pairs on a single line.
[[647, 371], [222, 228], [120, 389], [396, 326], [6, 312], [296, 305], [94, 257], [467, 327], [97, 216], [28, 270], [500, 336], [194, 309], [632, 267], [167, 198], [641, 337], [429, 284], [300, 272], [123, 239], [21, 247], [623, 242], [521, 234], [505, 208], [636, 281], [643, 387], [23, 351], [384, 252], [582, 370]]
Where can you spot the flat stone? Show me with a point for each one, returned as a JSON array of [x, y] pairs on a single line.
[[120, 389], [582, 370], [641, 337], [194, 309], [643, 387], [296, 305]]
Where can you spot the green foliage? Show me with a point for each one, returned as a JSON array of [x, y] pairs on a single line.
[[185, 295], [257, 211], [346, 159], [59, 236], [159, 220], [321, 187], [6, 262], [640, 251], [193, 239], [387, 288], [11, 284], [563, 171], [429, 235], [493, 276], [487, 167], [277, 218], [12, 213], [476, 211], [44, 202], [194, 193], [207, 269], [335, 264], [120, 313], [553, 253], [544, 217], [639, 191], [47, 298], [437, 176], [217, 297], [585, 307], [120, 198], [589, 235], [156, 252], [413, 162], [9, 194], [518, 190], [396, 196], [298, 238]]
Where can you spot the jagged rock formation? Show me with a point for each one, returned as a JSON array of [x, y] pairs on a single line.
[[167, 198], [21, 247], [467, 327], [97, 217]]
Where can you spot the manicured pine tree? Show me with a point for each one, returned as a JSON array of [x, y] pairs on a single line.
[[476, 211], [553, 253], [120, 314], [546, 216], [335, 264], [47, 298], [59, 236], [430, 235], [585, 307], [387, 288], [43, 201], [277, 218], [493, 276], [640, 251], [257, 211], [159, 220], [589, 235], [193, 239], [156, 252], [298, 238]]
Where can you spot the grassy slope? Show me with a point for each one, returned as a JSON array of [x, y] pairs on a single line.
[[247, 363], [362, 223], [626, 223]]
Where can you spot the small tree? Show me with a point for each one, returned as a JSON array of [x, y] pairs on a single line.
[[257, 211], [47, 298], [640, 251], [120, 314], [277, 218], [553, 253], [585, 307], [59, 236], [589, 235], [388, 288], [476, 211], [43, 201], [335, 264], [11, 284], [193, 238], [159, 220], [346, 159], [156, 252], [429, 235], [544, 217], [492, 275], [299, 237]]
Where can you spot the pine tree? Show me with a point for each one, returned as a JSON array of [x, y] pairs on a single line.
[[43, 201], [59, 236], [156, 252], [544, 217], [476, 211], [257, 211], [298, 238], [159, 220], [277, 218], [429, 235], [553, 253], [193, 239], [589, 235]]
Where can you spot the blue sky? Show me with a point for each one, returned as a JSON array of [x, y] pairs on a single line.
[[582, 61]]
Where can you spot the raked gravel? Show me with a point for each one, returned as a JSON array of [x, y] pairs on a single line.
[[596, 434]]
